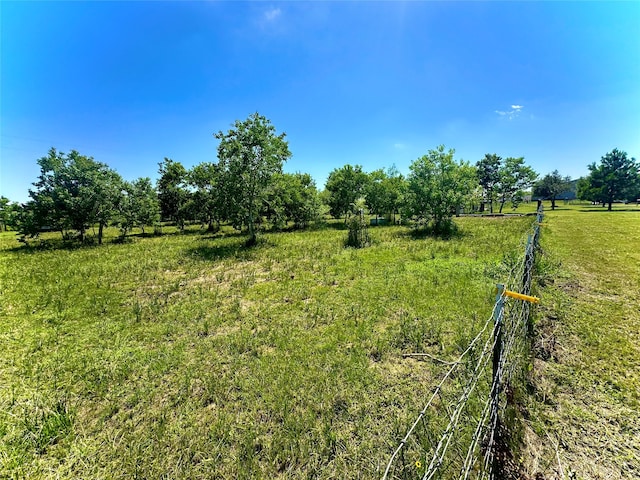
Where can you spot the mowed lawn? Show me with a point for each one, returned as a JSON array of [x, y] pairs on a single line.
[[587, 414], [190, 356]]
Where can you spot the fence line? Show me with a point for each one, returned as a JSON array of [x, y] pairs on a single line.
[[471, 390]]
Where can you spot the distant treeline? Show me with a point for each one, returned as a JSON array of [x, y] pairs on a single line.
[[247, 188]]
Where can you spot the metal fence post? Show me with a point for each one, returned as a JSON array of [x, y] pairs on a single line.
[[536, 230], [495, 390]]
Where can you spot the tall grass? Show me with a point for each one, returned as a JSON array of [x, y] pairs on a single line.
[[191, 356]]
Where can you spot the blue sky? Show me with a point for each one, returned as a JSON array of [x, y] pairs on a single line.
[[374, 84]]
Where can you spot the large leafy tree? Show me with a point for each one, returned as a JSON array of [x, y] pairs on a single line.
[[138, 206], [550, 186], [74, 192], [384, 191], [488, 171], [209, 195], [515, 177], [293, 197], [616, 177], [395, 188], [437, 186], [376, 192], [586, 191], [345, 185], [172, 191], [9, 212], [250, 155]]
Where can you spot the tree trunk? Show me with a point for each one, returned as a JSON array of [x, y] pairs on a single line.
[[553, 203], [491, 207], [501, 205], [252, 230], [609, 208], [100, 229]]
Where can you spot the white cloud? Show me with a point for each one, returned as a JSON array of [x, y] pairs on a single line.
[[272, 14], [510, 114], [399, 146]]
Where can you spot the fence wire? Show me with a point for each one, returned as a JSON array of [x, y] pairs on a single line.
[[458, 432]]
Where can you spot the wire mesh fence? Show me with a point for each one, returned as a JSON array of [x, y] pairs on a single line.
[[460, 432]]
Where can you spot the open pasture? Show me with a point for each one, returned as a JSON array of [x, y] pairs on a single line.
[[585, 407], [191, 356]]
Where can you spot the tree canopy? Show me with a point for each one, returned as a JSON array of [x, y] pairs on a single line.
[[515, 178], [345, 185], [616, 177], [437, 186], [550, 186], [249, 156], [9, 212], [172, 191], [73, 192], [488, 172], [384, 192]]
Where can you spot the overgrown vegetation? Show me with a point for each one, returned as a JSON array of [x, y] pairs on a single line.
[[190, 356]]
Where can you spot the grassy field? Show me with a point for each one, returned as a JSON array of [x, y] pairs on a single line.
[[585, 416], [189, 356]]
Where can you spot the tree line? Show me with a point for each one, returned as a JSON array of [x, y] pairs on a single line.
[[248, 189]]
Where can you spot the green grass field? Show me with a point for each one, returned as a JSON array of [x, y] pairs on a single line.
[[586, 408], [189, 356]]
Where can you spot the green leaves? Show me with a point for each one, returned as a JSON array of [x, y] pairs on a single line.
[[617, 177], [345, 185], [437, 185], [504, 180], [73, 192], [250, 155], [551, 185]]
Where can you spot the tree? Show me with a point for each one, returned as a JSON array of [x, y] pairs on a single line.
[[384, 191], [437, 185], [617, 177], [515, 177], [488, 171], [108, 191], [395, 187], [29, 221], [146, 203], [74, 192], [376, 192], [172, 192], [8, 214], [209, 196], [138, 206], [293, 197], [250, 154], [550, 186], [345, 185]]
